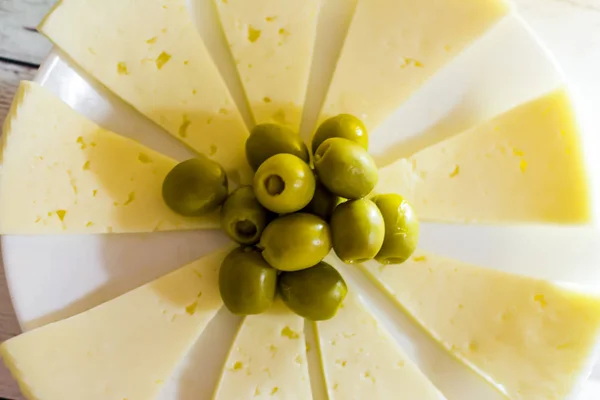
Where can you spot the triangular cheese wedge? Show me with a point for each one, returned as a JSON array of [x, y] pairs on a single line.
[[268, 359], [523, 166], [62, 173], [123, 349], [150, 54], [272, 44], [361, 360], [394, 46], [529, 338]]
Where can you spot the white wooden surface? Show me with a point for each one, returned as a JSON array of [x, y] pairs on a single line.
[[18, 37], [571, 29]]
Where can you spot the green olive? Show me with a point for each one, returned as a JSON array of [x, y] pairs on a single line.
[[284, 184], [242, 217], [342, 126], [266, 140], [315, 293], [345, 168], [323, 203], [296, 241], [246, 282], [401, 229], [195, 187], [358, 231]]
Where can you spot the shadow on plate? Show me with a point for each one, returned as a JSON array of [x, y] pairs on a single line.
[[197, 376], [451, 377], [67, 275]]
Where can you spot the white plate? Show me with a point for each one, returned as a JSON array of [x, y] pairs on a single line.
[[51, 278]]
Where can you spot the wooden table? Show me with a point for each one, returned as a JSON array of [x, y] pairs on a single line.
[[571, 28]]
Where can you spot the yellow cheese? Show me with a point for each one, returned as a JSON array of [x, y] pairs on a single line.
[[523, 166], [394, 46], [272, 44], [64, 174], [529, 338], [268, 359], [150, 54], [362, 361], [124, 349]]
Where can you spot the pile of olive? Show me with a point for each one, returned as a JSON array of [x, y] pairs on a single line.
[[292, 215]]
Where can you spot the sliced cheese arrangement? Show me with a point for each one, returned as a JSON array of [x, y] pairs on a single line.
[[159, 65], [530, 338], [523, 166], [124, 349], [362, 361], [62, 173], [393, 47], [272, 44], [268, 359]]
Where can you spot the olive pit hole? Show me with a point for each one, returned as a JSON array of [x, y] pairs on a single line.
[[274, 185], [246, 229]]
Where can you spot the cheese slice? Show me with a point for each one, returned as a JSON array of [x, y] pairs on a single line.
[[272, 44], [361, 360], [394, 46], [530, 338], [64, 174], [268, 359], [523, 166], [150, 54], [123, 349]]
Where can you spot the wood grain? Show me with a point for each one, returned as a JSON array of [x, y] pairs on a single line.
[[19, 39], [10, 76]]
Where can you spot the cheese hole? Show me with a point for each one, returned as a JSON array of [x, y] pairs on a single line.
[[289, 333], [162, 59], [61, 214], [253, 34], [473, 347], [540, 299], [130, 199], [191, 309], [122, 69], [144, 158]]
